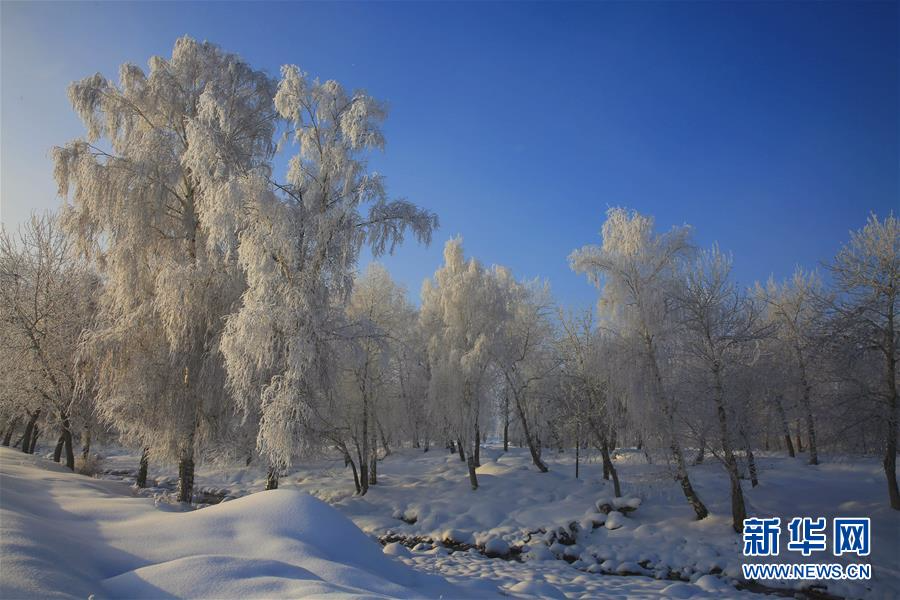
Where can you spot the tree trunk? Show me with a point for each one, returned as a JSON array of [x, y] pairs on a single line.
[[29, 430], [57, 451], [462, 452], [534, 448], [186, 476], [473, 478], [608, 466], [373, 467], [349, 461], [85, 444], [577, 455], [890, 451], [363, 453], [476, 451], [34, 438], [807, 408], [11, 430], [751, 465], [785, 428], [607, 461], [67, 443], [384, 444], [701, 453], [681, 468], [505, 422], [799, 439], [142, 469], [738, 508], [272, 478], [686, 487], [362, 462]]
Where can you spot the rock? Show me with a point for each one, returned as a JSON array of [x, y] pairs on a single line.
[[627, 568], [604, 505], [456, 536], [496, 548], [540, 552]]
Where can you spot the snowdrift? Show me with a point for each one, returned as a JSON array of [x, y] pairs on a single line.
[[65, 535]]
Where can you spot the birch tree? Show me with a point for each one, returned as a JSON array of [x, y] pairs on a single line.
[[377, 305], [867, 276], [587, 372], [462, 309], [794, 307], [523, 352], [634, 267], [46, 302], [298, 251], [721, 325], [155, 198]]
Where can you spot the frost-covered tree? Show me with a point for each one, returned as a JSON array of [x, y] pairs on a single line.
[[369, 404], [794, 308], [773, 374], [298, 251], [156, 198], [172, 192], [46, 303], [721, 328], [635, 268], [409, 362], [463, 311], [523, 352], [587, 375], [867, 277]]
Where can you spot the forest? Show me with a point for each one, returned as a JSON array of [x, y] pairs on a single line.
[[195, 303]]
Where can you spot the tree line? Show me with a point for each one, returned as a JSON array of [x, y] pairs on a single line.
[[188, 303]]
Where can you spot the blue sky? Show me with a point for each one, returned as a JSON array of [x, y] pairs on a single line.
[[772, 128]]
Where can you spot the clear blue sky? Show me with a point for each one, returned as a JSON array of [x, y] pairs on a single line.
[[771, 127]]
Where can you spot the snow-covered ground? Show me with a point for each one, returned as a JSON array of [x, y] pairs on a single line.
[[284, 543], [65, 535]]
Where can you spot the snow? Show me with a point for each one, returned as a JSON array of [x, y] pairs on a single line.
[[396, 549], [615, 520], [540, 589], [64, 535], [496, 547], [287, 543]]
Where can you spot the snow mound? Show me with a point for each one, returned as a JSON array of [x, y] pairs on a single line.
[[537, 589], [396, 549], [65, 535]]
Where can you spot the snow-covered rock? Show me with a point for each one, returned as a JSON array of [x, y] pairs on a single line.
[[615, 520], [539, 552], [496, 547]]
